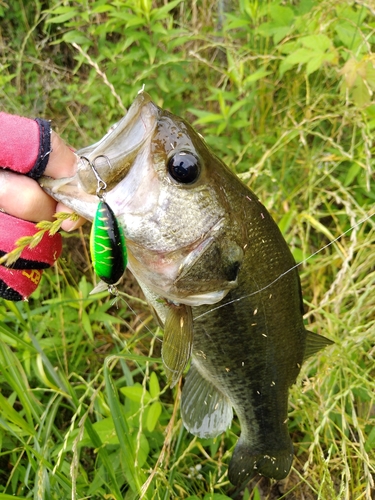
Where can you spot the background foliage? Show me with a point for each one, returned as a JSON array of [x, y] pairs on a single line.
[[283, 92]]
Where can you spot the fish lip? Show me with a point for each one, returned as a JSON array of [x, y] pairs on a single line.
[[117, 149], [120, 146]]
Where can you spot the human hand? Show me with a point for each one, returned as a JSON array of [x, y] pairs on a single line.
[[22, 197], [27, 147]]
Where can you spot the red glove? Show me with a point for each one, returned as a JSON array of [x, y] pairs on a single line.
[[25, 145]]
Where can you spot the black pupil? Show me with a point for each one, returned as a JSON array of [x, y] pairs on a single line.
[[183, 167]]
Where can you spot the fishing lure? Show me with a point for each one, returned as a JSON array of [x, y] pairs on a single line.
[[107, 239]]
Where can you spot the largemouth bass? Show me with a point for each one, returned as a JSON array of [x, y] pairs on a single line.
[[217, 273]]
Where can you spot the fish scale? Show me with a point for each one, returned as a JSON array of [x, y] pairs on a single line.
[[204, 249]]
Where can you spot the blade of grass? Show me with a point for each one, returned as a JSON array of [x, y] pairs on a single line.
[[134, 474], [13, 373]]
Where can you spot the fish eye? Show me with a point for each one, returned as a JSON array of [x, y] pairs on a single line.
[[184, 167]]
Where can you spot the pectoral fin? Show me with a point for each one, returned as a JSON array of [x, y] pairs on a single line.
[[315, 343], [177, 341], [205, 411]]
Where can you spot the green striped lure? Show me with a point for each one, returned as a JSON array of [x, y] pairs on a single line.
[[107, 245], [107, 239]]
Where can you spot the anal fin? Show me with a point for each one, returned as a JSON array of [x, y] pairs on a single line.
[[205, 411]]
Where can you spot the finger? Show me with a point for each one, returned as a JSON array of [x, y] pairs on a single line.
[[69, 225], [63, 163], [62, 160], [22, 197]]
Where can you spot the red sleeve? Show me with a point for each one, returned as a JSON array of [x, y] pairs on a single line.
[[24, 144]]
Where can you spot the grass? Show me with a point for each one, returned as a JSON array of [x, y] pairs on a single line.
[[283, 93]]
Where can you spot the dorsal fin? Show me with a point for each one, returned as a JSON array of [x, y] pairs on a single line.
[[205, 411]]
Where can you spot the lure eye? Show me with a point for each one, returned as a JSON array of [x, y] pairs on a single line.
[[184, 167]]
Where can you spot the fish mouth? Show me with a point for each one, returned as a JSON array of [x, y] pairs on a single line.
[[114, 154], [112, 157]]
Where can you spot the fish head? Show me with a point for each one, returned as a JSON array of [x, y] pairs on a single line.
[[171, 196]]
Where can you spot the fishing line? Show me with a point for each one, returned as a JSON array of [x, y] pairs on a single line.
[[289, 270], [119, 297]]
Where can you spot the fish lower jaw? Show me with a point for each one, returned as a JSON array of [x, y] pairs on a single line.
[[274, 464], [208, 298], [201, 299]]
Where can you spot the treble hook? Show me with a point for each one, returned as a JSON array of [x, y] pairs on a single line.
[[102, 185]]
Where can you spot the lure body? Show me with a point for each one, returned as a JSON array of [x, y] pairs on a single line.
[[107, 245]]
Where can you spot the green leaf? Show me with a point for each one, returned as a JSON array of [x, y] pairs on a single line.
[[160, 13], [370, 441], [106, 431], [13, 416], [75, 36], [153, 414], [318, 43], [13, 339], [273, 30], [62, 18], [235, 23], [349, 35], [346, 12], [318, 225], [282, 16], [103, 453], [154, 385], [4, 496], [104, 317], [215, 496], [140, 443], [87, 324], [300, 56], [369, 73], [133, 21], [360, 92], [256, 494], [257, 75], [151, 51], [14, 374], [100, 9], [288, 47], [352, 173], [207, 117], [314, 63], [135, 393], [134, 475]]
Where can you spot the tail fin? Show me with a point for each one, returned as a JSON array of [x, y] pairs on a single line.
[[244, 464]]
